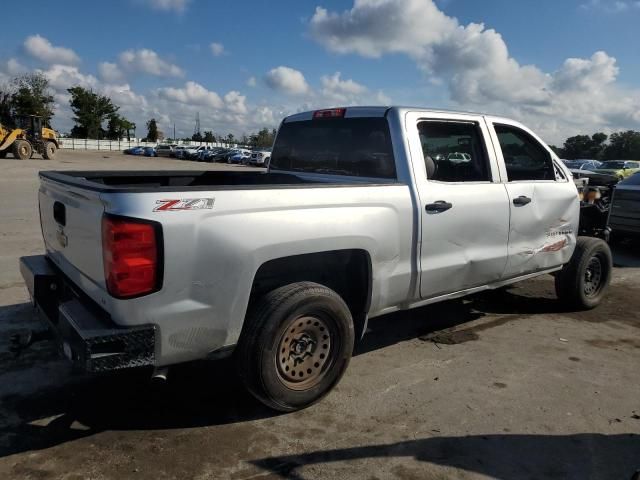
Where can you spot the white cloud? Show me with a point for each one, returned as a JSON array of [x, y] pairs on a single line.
[[334, 88], [287, 80], [62, 77], [611, 6], [252, 82], [110, 72], [475, 65], [217, 49], [42, 49], [169, 5], [235, 102], [147, 61], [192, 94], [13, 67]]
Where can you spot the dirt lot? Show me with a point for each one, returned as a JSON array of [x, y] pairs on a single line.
[[501, 385]]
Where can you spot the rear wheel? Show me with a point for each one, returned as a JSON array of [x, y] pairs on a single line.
[[583, 282], [49, 150], [295, 346], [22, 149], [3, 153]]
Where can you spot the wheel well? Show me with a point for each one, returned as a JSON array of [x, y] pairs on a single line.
[[347, 272]]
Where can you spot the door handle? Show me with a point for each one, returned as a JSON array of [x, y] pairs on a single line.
[[521, 200], [438, 207]]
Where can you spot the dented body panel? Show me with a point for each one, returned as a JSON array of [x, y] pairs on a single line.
[[217, 236]]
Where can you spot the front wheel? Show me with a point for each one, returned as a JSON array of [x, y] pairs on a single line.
[[583, 282], [295, 346], [50, 150]]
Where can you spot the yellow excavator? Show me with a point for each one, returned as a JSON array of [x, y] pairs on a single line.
[[29, 137]]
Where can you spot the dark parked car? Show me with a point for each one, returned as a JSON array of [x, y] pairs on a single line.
[[624, 217]]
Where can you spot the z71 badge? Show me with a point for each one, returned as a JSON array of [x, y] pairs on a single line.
[[184, 204]]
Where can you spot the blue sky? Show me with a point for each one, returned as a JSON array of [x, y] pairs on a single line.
[[563, 67]]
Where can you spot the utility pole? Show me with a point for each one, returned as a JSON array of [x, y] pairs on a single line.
[[196, 131], [174, 132]]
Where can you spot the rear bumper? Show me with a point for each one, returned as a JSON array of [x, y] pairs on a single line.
[[85, 333]]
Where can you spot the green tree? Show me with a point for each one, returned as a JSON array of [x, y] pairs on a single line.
[[584, 146], [32, 96], [152, 130], [6, 105], [230, 138], [90, 111], [623, 146], [118, 127], [208, 136], [264, 138], [196, 137]]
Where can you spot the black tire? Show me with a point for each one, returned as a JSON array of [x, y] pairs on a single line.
[[317, 320], [3, 153], [22, 149], [582, 283], [49, 151]]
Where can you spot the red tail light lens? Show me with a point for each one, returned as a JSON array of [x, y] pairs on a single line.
[[130, 251], [330, 113]]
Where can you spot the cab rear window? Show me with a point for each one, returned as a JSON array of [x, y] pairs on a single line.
[[359, 147]]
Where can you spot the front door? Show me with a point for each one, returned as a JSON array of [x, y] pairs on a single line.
[[464, 208], [543, 201]]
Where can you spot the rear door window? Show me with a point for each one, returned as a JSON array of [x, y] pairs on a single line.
[[359, 147], [454, 151]]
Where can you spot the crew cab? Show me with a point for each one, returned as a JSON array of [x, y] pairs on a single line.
[[363, 211]]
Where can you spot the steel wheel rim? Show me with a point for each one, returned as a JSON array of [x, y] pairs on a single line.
[[593, 276], [23, 150], [305, 352]]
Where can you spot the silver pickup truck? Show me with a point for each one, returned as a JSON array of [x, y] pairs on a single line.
[[363, 211]]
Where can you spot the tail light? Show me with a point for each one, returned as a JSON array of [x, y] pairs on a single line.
[[330, 113], [131, 251]]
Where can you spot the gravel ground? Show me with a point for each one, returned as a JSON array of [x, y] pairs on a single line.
[[500, 385]]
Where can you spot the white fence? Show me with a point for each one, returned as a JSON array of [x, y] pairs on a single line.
[[117, 145]]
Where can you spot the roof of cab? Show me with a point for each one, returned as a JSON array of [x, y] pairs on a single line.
[[374, 111]]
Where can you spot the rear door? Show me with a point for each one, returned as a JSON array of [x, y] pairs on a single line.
[[542, 198], [464, 210]]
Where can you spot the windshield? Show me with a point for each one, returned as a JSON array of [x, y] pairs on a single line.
[[359, 147], [615, 165]]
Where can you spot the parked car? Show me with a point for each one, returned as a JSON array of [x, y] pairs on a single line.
[[165, 150], [192, 152], [134, 151], [583, 164], [624, 218], [260, 158], [282, 269], [178, 152], [459, 157], [221, 156], [208, 155], [620, 168], [239, 157], [149, 152]]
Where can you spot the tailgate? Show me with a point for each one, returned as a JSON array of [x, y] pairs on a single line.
[[71, 220]]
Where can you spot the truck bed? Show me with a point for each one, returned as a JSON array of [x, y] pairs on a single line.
[[185, 180]]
